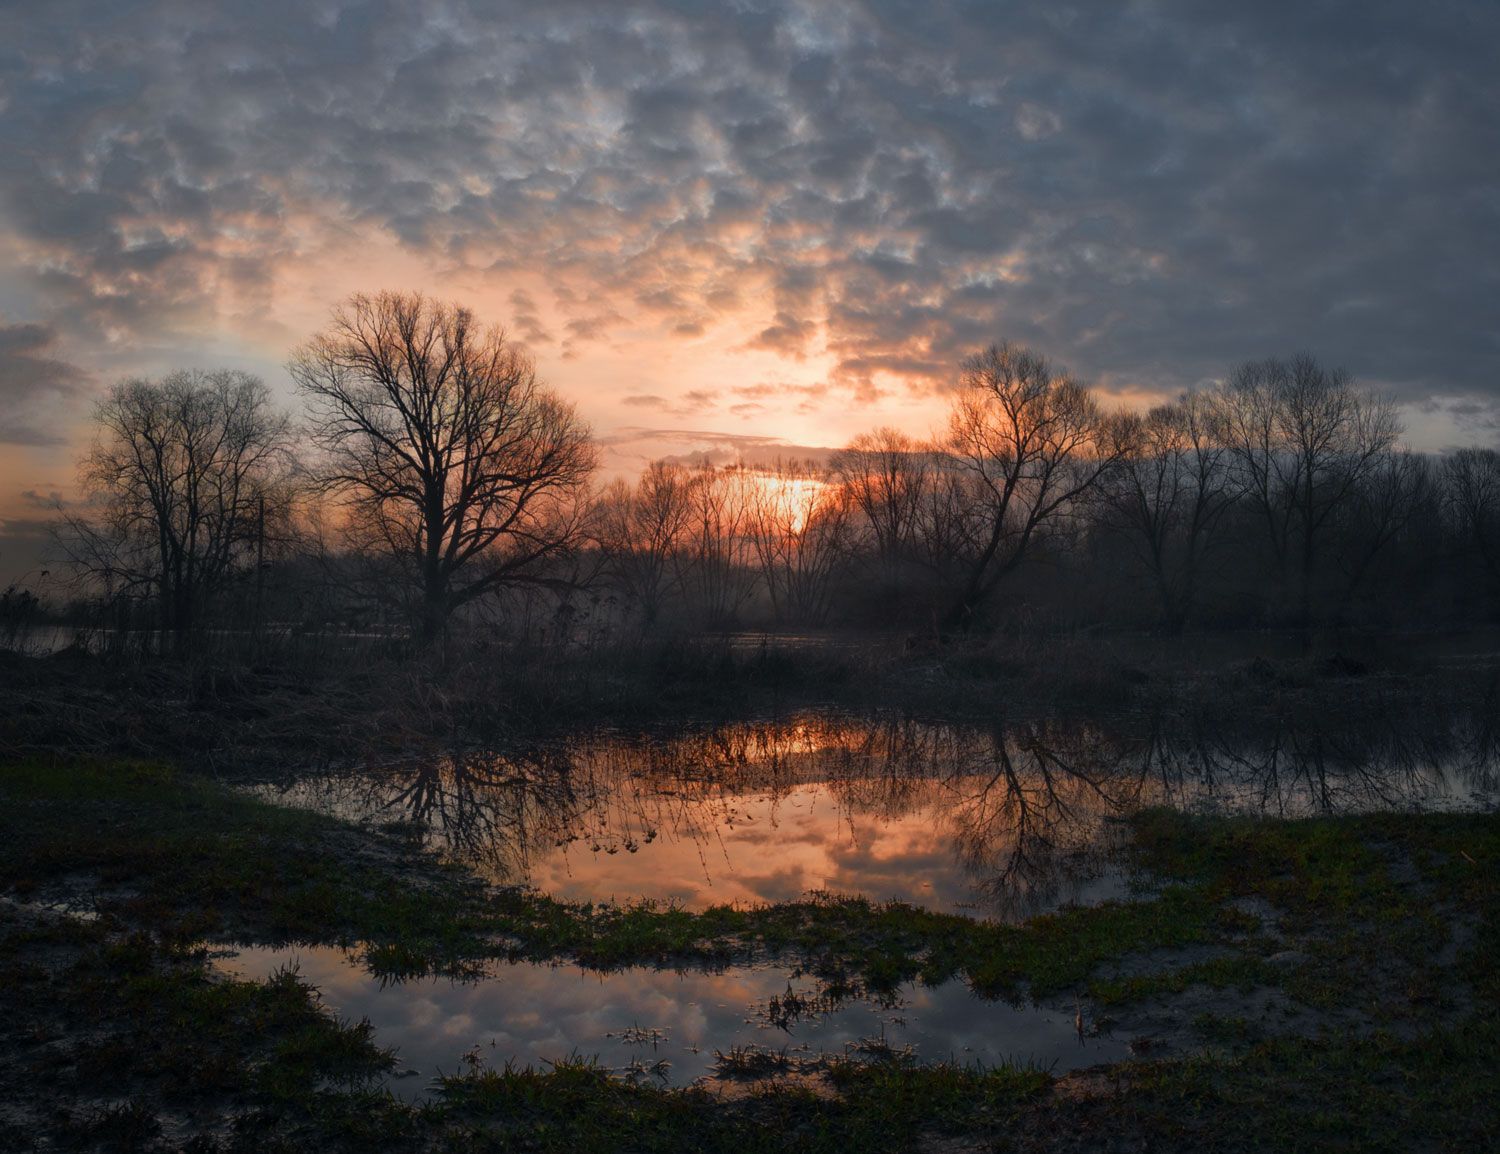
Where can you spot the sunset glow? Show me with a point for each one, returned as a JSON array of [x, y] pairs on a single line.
[[735, 235]]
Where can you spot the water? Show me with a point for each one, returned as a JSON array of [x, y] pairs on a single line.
[[662, 1026], [998, 821]]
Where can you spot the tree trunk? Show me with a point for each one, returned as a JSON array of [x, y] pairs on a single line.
[[434, 615]]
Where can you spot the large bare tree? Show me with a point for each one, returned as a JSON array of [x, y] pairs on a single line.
[[451, 457], [1030, 443], [186, 479]]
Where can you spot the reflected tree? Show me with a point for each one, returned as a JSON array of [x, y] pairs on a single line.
[[1026, 806]]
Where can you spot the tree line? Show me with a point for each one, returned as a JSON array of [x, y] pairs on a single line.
[[431, 478]]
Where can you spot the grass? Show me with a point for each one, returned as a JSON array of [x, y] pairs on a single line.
[[1383, 929], [1373, 898], [128, 1033], [1346, 1093], [1243, 972], [192, 859], [886, 1105]]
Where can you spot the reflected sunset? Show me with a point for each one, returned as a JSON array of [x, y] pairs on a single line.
[[992, 823]]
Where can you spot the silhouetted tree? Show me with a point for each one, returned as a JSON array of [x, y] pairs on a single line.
[[1303, 440], [1030, 443], [452, 458], [1167, 495], [640, 528], [1471, 482], [886, 475], [183, 477], [1391, 496], [715, 561], [799, 528]]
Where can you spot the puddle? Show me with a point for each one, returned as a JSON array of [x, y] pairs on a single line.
[[74, 910], [1000, 821], [663, 1026]]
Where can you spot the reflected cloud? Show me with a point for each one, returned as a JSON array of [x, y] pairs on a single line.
[[666, 1027], [1000, 821]]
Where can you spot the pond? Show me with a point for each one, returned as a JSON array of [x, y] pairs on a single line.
[[1000, 821], [670, 1028]]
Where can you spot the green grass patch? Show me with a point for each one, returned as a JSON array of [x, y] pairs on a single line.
[[1342, 1093]]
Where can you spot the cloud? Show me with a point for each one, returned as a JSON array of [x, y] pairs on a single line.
[[789, 336], [527, 319], [689, 403], [637, 445], [1037, 123], [35, 387], [1149, 192]]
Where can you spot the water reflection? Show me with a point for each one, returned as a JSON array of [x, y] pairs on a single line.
[[668, 1027], [1001, 820]]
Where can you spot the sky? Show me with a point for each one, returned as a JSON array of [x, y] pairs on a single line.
[[748, 229]]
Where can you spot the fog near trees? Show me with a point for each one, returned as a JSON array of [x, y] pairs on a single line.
[[431, 486]]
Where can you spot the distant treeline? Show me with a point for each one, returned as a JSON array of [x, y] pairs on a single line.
[[433, 486]]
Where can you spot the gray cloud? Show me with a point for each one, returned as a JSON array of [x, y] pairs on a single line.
[[35, 387], [1149, 192], [697, 447]]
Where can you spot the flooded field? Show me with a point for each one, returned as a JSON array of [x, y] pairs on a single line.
[[1282, 953], [671, 1028], [999, 821]]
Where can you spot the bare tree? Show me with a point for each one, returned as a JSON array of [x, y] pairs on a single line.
[[799, 526], [1303, 440], [1382, 509], [885, 475], [715, 562], [1031, 444], [452, 459], [1471, 487], [641, 527], [186, 479], [1168, 495]]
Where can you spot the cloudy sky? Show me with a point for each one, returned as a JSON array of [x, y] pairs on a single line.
[[742, 227]]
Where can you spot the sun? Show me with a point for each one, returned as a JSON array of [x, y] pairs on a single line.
[[792, 498]]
